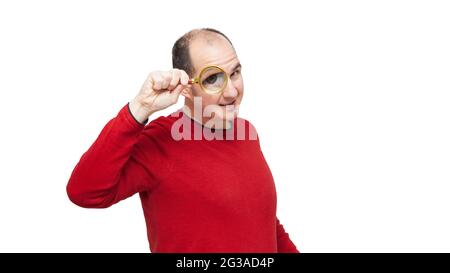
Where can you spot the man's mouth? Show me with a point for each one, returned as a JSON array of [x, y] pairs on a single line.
[[226, 104]]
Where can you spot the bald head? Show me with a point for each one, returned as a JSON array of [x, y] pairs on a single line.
[[181, 54]]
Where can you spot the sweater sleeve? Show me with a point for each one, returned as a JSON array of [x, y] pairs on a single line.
[[285, 245], [111, 169]]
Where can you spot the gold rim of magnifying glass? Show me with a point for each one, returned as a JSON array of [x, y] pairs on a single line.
[[197, 79]]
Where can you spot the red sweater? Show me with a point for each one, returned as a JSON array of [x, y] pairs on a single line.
[[197, 195]]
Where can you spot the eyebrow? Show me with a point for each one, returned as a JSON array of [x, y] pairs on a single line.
[[236, 67]]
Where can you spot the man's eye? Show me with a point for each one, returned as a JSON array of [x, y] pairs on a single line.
[[211, 79], [237, 72]]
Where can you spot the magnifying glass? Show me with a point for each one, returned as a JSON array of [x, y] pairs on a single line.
[[212, 79]]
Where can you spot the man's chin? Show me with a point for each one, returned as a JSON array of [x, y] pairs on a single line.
[[221, 116], [230, 112], [229, 116]]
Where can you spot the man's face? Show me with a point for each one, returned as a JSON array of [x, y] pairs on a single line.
[[216, 50]]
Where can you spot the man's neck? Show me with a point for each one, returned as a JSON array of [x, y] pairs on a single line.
[[208, 123]]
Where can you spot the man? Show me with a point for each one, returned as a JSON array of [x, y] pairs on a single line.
[[198, 194]]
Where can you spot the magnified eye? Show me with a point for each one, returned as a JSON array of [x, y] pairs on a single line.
[[211, 79]]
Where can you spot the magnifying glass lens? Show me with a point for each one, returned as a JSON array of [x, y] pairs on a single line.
[[213, 80]]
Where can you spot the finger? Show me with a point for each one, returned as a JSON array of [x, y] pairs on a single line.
[[157, 81], [176, 93], [167, 76], [184, 78], [148, 84], [178, 90], [175, 79]]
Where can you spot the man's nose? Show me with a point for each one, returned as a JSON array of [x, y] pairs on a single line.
[[230, 91]]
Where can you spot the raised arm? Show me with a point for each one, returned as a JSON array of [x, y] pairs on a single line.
[[112, 169]]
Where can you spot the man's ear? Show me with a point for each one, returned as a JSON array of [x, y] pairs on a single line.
[[187, 93]]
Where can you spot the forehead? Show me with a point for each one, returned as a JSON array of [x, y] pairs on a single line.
[[212, 49]]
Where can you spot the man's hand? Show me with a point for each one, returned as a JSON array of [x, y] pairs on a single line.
[[160, 90]]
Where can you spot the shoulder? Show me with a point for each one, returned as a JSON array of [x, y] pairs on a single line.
[[161, 126], [244, 126], [245, 121]]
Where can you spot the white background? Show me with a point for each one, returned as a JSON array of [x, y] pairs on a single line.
[[350, 98]]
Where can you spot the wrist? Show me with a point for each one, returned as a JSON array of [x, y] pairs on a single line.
[[139, 112]]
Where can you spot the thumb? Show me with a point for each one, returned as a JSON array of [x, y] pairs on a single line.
[[178, 90]]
